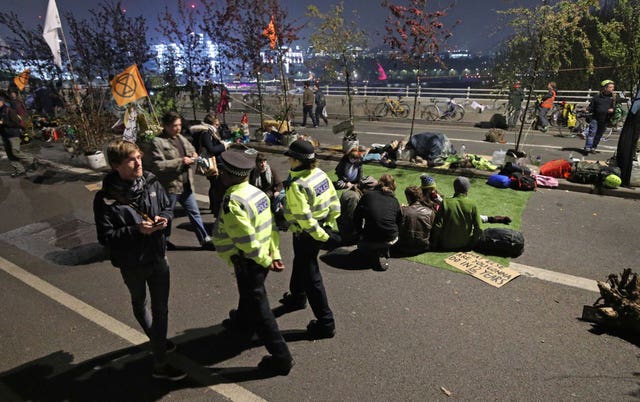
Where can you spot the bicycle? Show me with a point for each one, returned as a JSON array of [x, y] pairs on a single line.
[[397, 108], [433, 112]]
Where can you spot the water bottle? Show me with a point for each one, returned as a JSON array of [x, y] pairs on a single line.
[[463, 150]]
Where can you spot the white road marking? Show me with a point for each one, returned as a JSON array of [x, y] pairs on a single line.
[[231, 391], [556, 277]]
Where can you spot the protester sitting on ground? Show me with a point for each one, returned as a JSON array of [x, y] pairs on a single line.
[[378, 219], [386, 154], [348, 202], [430, 195], [349, 169], [433, 199], [415, 229], [457, 222]]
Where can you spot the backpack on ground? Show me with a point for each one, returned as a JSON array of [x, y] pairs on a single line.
[[558, 168], [499, 181], [501, 242], [498, 120], [586, 173], [546, 181], [495, 135], [523, 182]]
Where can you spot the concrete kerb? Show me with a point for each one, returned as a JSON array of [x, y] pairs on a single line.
[[329, 153], [60, 158]]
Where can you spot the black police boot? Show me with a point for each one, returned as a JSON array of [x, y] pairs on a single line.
[[276, 365], [316, 330], [293, 302]]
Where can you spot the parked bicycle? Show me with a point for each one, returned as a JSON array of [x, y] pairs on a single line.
[[433, 112], [396, 107]]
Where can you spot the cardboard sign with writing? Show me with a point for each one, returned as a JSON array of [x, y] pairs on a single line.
[[487, 271]]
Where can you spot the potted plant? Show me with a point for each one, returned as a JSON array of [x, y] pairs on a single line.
[[349, 138], [86, 125]]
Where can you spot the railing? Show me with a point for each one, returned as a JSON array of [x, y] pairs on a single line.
[[482, 96]]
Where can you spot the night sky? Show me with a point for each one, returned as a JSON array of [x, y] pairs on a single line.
[[476, 32]]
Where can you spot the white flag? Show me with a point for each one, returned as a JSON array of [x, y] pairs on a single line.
[[50, 33]]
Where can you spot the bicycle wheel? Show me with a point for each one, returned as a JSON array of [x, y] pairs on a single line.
[[529, 115], [458, 113], [402, 110], [430, 112], [381, 110]]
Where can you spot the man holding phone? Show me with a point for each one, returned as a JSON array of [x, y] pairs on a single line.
[[132, 212]]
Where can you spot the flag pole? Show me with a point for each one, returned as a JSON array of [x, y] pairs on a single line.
[[153, 111]]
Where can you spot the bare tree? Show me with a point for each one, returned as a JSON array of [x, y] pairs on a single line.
[[417, 35], [338, 40], [181, 29]]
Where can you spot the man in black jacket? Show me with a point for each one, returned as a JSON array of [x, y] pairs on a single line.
[[378, 218], [600, 109], [131, 213], [10, 129]]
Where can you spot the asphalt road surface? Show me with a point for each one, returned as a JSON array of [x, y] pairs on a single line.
[[412, 333]]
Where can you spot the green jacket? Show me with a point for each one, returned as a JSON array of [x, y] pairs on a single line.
[[312, 203], [166, 163], [457, 225], [245, 228]]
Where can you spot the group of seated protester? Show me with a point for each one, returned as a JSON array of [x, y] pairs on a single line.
[[349, 168], [372, 218]]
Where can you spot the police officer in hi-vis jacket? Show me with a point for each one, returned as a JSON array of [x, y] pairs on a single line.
[[245, 236], [311, 210]]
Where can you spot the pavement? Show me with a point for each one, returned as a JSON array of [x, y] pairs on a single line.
[[405, 334]]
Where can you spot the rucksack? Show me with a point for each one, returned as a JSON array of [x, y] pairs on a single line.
[[523, 182], [558, 168], [499, 121], [501, 242], [499, 181], [546, 181], [586, 173], [224, 131]]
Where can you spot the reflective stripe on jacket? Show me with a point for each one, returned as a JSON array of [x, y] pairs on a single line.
[[311, 203], [245, 227]]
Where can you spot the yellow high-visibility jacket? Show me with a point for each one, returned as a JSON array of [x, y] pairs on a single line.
[[311, 203], [245, 227]]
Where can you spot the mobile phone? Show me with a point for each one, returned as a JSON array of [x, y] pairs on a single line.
[[158, 223]]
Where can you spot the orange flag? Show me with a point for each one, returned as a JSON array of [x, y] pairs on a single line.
[[270, 32], [21, 80], [128, 86]]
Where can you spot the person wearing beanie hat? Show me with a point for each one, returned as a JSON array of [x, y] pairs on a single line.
[[311, 210], [457, 222], [430, 195], [245, 237]]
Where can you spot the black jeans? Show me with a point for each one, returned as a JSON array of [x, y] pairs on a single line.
[[306, 278], [308, 110], [153, 322], [253, 308]]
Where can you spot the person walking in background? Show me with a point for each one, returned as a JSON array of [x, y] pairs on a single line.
[[10, 128], [132, 212], [378, 218], [457, 222], [514, 105], [321, 104], [600, 110], [172, 157], [308, 98], [206, 140], [245, 237], [311, 211], [546, 103]]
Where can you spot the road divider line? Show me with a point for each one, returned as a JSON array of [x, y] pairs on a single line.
[[231, 391], [556, 277]]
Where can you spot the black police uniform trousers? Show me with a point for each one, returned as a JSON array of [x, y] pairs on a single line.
[[253, 308], [306, 278]]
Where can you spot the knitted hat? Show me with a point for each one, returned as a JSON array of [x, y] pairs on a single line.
[[236, 163], [461, 185], [427, 181], [301, 150]]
